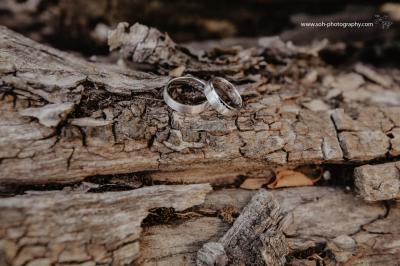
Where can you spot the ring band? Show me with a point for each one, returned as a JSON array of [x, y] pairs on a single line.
[[180, 107], [216, 101]]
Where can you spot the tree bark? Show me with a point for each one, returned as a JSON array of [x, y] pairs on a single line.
[[71, 24], [332, 223], [319, 220], [64, 118], [84, 228], [256, 237], [378, 182]]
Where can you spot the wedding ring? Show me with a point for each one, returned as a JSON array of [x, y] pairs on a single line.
[[183, 82], [227, 101]]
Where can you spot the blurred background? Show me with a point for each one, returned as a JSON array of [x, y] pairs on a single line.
[[82, 25]]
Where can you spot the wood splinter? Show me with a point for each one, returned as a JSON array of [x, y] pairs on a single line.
[[255, 238]]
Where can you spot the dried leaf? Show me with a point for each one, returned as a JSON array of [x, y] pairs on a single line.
[[290, 178], [254, 183]]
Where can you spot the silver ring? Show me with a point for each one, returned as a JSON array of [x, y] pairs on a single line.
[[180, 107], [230, 93]]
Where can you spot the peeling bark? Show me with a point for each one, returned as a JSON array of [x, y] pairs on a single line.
[[72, 24], [64, 118], [329, 221], [121, 125], [50, 115], [256, 237]]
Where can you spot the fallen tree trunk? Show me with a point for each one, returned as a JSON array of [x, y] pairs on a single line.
[[326, 225], [104, 228], [64, 119], [74, 25], [93, 228]]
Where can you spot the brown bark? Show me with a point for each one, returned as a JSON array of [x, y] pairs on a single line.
[[90, 118], [332, 223], [256, 237], [45, 228], [77, 25], [61, 228], [378, 182], [64, 119]]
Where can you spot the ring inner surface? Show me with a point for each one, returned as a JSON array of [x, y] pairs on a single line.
[[227, 93], [187, 91]]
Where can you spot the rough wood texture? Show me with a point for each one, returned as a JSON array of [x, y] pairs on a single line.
[[378, 182], [84, 228], [330, 225], [64, 118], [255, 238], [119, 124], [76, 25], [177, 244], [371, 135], [212, 253]]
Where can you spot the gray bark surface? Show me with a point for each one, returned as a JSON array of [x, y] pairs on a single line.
[[255, 238], [61, 228], [378, 182], [64, 118], [352, 231]]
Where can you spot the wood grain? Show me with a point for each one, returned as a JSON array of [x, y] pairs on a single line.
[[119, 124], [93, 228]]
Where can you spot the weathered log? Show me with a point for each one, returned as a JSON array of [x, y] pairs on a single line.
[[325, 225], [64, 118], [84, 228], [256, 237], [82, 26], [88, 227], [119, 123], [378, 182]]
